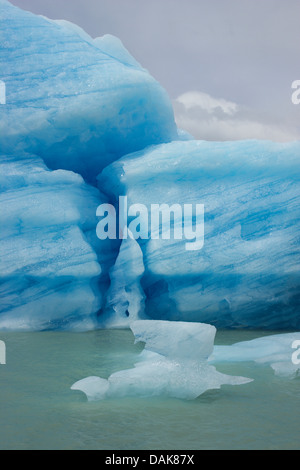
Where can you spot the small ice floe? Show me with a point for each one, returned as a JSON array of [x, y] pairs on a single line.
[[174, 363], [281, 352]]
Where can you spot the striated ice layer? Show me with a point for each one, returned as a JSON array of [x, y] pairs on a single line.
[[278, 351], [174, 363], [80, 104], [247, 273], [77, 102], [49, 270]]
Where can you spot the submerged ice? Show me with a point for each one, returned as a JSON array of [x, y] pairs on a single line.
[[173, 363]]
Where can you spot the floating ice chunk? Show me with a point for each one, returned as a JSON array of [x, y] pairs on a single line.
[[161, 376], [95, 388], [179, 369], [276, 351], [180, 341]]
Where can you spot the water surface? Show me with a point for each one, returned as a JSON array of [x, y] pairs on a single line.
[[39, 411]]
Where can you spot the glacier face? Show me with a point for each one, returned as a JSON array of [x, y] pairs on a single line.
[[77, 107], [247, 273], [76, 102]]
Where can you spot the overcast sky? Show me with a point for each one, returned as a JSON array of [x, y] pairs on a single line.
[[228, 65]]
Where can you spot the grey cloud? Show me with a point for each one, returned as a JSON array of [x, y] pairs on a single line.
[[209, 118]]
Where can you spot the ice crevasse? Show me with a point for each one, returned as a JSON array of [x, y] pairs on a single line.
[[83, 124]]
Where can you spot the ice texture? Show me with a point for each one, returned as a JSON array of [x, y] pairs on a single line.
[[247, 273], [77, 102], [275, 350], [180, 341], [174, 363], [77, 107], [72, 103], [125, 297], [48, 267]]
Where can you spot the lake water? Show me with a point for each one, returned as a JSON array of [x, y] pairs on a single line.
[[39, 411]]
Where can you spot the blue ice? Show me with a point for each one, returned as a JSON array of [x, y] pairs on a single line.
[[81, 113]]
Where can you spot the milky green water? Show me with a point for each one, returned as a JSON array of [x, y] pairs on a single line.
[[39, 411]]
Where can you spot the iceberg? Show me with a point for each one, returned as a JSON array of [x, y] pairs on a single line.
[[76, 102], [247, 273], [277, 351], [173, 363], [82, 124]]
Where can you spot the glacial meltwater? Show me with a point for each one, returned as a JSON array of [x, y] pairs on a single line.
[[39, 411]]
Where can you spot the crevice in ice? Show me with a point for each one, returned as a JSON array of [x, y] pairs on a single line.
[[173, 363], [124, 302]]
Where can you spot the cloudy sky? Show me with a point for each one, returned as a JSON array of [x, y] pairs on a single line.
[[228, 65]]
